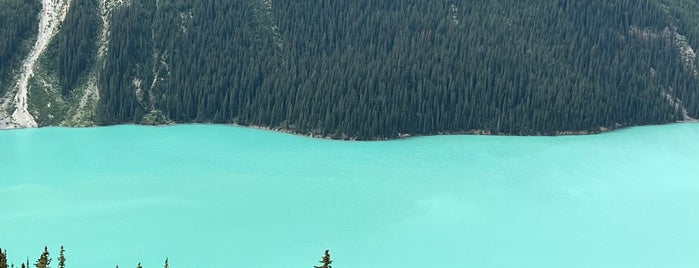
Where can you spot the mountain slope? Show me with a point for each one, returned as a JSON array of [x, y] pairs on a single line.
[[373, 69]]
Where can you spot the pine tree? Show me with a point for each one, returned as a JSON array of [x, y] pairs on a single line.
[[3, 258], [326, 261], [44, 261], [166, 264], [61, 259]]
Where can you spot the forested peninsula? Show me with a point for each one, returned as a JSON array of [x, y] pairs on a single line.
[[359, 69]]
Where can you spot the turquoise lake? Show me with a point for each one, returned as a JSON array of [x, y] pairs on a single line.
[[206, 195]]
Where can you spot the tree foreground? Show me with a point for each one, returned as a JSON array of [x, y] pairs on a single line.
[[326, 261], [44, 260]]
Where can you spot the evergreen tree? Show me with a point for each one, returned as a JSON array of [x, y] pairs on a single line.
[[166, 264], [139, 265], [3, 258], [326, 261], [61, 259], [44, 261]]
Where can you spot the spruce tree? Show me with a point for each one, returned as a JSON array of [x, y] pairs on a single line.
[[61, 258], [3, 258], [326, 261], [44, 261]]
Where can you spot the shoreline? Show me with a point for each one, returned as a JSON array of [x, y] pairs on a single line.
[[476, 132], [400, 136]]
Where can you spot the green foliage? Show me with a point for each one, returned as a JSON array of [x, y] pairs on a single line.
[[3, 258], [77, 43], [683, 13], [61, 258], [376, 69], [44, 261], [18, 24], [155, 118], [326, 261], [61, 73], [130, 48], [46, 102]]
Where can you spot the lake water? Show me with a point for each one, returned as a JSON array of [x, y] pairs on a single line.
[[226, 196]]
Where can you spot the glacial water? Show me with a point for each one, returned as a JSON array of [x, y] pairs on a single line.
[[223, 196]]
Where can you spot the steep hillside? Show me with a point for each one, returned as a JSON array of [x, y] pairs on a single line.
[[18, 29], [18, 26], [368, 69]]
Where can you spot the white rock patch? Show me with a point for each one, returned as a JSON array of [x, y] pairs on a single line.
[[53, 12]]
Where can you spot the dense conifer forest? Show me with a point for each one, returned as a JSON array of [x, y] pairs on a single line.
[[18, 25], [380, 69]]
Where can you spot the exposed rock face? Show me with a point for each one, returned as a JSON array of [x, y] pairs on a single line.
[[53, 12], [670, 35]]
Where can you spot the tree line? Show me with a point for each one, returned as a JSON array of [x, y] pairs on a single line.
[[44, 260]]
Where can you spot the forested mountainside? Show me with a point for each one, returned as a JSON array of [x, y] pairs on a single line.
[[353, 69]]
